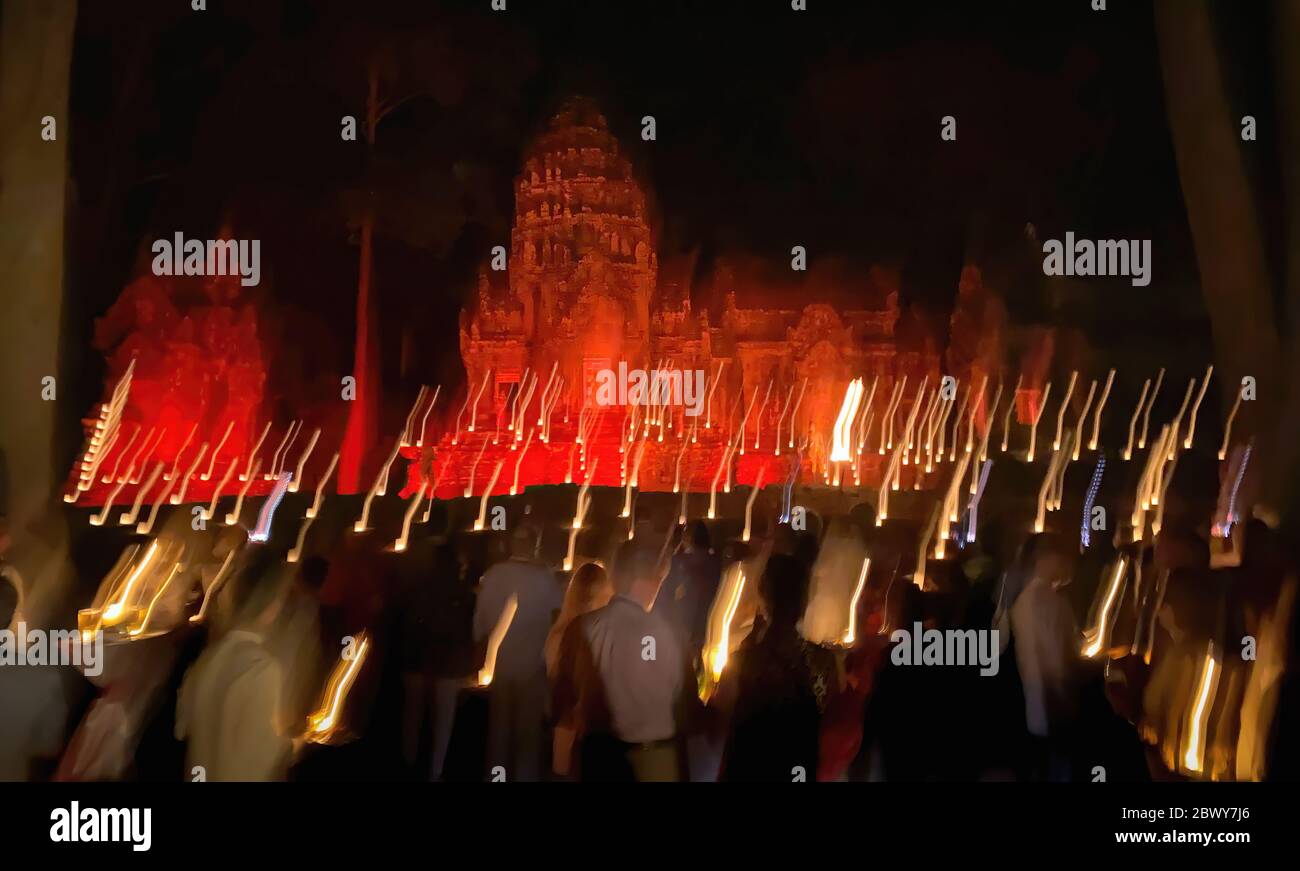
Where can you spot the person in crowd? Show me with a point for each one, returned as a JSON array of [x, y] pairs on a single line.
[[631, 679], [437, 615], [1047, 638], [299, 642], [451, 642], [588, 590], [782, 684], [35, 700], [231, 702], [517, 696], [690, 586]]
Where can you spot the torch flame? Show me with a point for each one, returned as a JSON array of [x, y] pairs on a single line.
[[486, 673], [321, 724]]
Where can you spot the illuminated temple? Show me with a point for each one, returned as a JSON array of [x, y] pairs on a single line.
[[580, 290], [585, 290]]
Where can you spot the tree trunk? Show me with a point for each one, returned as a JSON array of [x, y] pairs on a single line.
[[35, 68], [1224, 221], [363, 413]]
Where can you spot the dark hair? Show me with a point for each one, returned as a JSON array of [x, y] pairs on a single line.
[[699, 535], [313, 571], [523, 540], [784, 588], [634, 561], [258, 581]]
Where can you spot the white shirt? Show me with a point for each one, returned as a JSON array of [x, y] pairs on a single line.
[[538, 597], [227, 710], [1047, 652], [642, 692]]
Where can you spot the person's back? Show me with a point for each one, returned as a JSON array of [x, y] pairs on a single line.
[[538, 598], [641, 693], [230, 709], [687, 593], [1045, 634], [782, 684], [227, 712], [640, 665], [517, 696], [776, 722]]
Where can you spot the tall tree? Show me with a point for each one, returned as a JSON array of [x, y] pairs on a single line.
[[35, 68], [1239, 287]]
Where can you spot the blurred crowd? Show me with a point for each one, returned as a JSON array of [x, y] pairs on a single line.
[[673, 653]]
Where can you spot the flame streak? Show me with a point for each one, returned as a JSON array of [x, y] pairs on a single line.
[[400, 544], [1038, 415], [410, 416], [302, 461], [378, 488], [473, 415], [1178, 419], [1096, 637], [162, 588], [481, 520], [579, 514], [1227, 427], [717, 647], [216, 491], [176, 461], [148, 455], [214, 587], [789, 395], [108, 479], [1065, 403], [98, 519], [129, 517], [519, 461], [144, 526], [1191, 422], [320, 488], [1096, 418], [179, 496], [424, 421], [794, 414], [252, 455], [488, 671], [233, 517], [848, 413], [851, 633], [1132, 424], [212, 463], [1011, 406], [1198, 717], [323, 722], [895, 397], [749, 503], [273, 471], [1146, 415], [116, 610], [1083, 415]]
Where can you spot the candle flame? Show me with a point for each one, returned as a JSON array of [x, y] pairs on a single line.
[[488, 671]]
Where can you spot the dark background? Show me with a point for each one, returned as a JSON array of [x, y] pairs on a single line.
[[775, 128]]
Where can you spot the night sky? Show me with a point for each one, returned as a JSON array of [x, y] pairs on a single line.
[[775, 128]]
